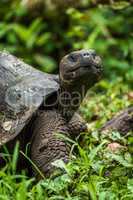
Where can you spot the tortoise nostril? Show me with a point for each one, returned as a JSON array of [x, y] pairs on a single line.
[[89, 54], [86, 54]]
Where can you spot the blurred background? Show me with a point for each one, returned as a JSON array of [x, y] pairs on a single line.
[[42, 31]]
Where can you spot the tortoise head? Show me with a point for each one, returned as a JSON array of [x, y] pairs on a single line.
[[83, 67]]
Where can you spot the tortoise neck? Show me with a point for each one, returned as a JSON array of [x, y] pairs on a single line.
[[70, 99]]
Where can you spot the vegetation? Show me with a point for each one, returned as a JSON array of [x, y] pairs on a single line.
[[41, 36]]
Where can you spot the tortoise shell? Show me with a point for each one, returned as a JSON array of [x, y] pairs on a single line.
[[22, 90]]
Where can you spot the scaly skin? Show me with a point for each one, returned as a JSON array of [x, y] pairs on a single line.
[[46, 145], [77, 125], [79, 71]]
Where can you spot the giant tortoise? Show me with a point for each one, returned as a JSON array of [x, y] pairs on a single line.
[[45, 101]]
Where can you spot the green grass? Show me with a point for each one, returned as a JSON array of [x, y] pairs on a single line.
[[95, 172]]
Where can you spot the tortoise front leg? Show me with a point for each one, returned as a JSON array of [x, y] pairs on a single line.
[[46, 147], [77, 125]]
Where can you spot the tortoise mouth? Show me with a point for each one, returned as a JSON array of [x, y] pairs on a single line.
[[88, 67]]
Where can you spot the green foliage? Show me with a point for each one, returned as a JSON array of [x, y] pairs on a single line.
[[109, 33], [41, 40], [113, 96], [94, 173]]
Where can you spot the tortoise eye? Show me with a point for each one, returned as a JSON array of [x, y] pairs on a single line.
[[72, 58]]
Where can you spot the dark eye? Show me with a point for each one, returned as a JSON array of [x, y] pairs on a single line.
[[72, 58]]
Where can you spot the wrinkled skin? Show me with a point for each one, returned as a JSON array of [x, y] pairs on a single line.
[[78, 71]]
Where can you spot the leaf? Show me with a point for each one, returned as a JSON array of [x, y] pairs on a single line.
[[130, 185], [92, 190], [60, 164], [15, 157], [120, 5], [122, 161], [46, 63], [21, 31], [94, 151]]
